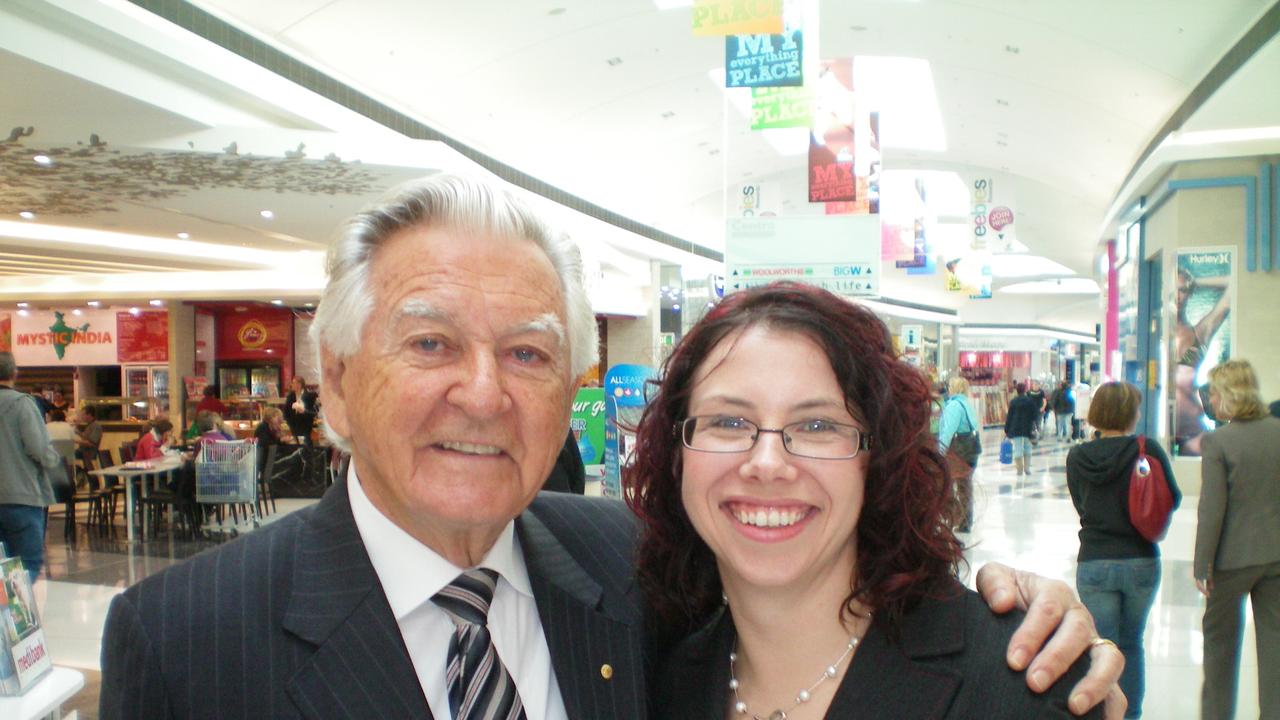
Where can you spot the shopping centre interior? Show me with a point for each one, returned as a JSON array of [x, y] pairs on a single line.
[[1037, 191]]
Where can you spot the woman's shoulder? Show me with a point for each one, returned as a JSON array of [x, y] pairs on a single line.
[[980, 659], [693, 678]]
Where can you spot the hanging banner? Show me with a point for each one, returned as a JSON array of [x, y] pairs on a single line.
[[588, 425], [831, 136], [624, 404], [1203, 335], [67, 336], [970, 275], [763, 60], [737, 17], [6, 332], [839, 253], [759, 199], [781, 107], [142, 337], [992, 217]]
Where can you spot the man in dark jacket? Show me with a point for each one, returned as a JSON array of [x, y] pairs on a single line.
[[1019, 425]]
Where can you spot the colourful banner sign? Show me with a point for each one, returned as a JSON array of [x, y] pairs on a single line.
[[737, 17], [783, 107], [142, 337], [764, 60], [588, 424], [993, 228], [831, 136], [971, 275], [624, 389]]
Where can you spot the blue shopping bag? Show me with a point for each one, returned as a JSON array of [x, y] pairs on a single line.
[[1006, 452]]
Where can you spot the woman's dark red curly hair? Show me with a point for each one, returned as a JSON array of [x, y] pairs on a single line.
[[906, 548]]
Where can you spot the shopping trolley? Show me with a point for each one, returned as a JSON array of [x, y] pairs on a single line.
[[227, 473]]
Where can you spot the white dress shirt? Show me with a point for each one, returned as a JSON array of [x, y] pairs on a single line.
[[412, 573]]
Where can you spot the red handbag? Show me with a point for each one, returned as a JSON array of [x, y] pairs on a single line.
[[1150, 499]]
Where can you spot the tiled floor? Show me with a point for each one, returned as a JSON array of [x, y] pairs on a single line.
[[1028, 523]]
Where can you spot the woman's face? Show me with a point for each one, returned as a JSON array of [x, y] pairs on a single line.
[[773, 519]]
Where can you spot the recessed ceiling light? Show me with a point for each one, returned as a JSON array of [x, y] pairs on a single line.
[[266, 214], [77, 311], [668, 114], [1012, 49], [134, 311], [184, 236], [156, 303], [614, 61], [309, 304], [857, 28], [24, 313], [1002, 102], [277, 302], [93, 303], [556, 11], [27, 215], [43, 160]]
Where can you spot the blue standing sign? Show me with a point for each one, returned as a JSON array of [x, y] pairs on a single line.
[[624, 391]]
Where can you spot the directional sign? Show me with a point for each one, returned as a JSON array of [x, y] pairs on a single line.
[[840, 253]]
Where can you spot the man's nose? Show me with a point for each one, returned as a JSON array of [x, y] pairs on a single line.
[[480, 391]]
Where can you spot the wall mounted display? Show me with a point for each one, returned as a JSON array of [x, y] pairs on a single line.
[[588, 425], [1202, 334], [142, 337]]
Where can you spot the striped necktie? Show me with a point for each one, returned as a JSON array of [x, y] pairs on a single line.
[[480, 688]]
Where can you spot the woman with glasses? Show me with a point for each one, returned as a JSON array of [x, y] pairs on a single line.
[[795, 511]]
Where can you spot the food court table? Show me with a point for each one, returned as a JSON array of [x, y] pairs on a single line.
[[146, 473]]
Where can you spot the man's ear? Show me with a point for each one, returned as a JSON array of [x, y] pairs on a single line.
[[332, 371]]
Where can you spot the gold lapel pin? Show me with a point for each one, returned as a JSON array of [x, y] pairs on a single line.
[[606, 671]]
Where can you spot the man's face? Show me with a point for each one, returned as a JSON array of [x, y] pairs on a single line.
[[458, 399]]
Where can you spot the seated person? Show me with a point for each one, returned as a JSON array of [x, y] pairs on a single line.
[[210, 402], [154, 441], [270, 432]]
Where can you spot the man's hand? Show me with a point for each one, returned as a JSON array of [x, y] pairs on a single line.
[[1055, 615]]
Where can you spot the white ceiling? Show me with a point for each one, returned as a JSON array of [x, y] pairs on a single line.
[[1055, 99]]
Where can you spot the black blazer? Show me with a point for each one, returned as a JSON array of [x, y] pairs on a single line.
[[949, 663], [291, 622], [301, 423]]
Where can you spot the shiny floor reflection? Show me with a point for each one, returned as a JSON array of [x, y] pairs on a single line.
[[1027, 522]]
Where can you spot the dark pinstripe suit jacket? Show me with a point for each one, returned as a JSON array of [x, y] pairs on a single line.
[[948, 663], [291, 621]]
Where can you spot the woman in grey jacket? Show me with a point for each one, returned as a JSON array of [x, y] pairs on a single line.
[[1238, 540], [28, 459]]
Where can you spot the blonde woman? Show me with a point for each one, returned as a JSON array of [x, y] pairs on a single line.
[[1238, 540]]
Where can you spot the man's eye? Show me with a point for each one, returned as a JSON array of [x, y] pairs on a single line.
[[428, 344], [527, 355]]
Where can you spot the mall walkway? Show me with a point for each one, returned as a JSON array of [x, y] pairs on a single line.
[[1027, 522]]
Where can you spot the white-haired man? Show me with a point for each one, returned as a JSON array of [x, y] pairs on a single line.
[[436, 581]]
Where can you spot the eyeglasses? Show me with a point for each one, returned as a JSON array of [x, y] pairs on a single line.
[[815, 438]]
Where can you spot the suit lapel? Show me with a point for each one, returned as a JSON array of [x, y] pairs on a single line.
[[360, 667], [889, 682], [586, 628]]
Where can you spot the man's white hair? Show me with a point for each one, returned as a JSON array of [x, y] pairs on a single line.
[[468, 206]]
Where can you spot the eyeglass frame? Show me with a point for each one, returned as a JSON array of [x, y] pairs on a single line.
[[864, 438]]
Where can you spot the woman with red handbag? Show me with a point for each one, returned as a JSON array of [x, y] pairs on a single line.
[[1118, 570]]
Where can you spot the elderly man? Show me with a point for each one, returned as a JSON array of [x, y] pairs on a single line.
[[436, 581], [29, 462]]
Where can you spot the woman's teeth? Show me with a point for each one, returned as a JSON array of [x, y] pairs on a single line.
[[769, 517]]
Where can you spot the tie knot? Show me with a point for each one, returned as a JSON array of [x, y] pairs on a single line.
[[467, 598]]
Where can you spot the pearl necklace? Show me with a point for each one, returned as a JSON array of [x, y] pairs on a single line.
[[802, 697]]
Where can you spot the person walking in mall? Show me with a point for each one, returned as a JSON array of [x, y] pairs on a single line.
[[1036, 392], [1064, 406], [29, 461], [1238, 540], [1119, 569], [959, 442], [1020, 425], [433, 579]]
